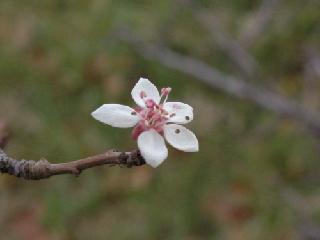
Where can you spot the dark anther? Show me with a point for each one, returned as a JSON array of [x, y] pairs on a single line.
[[133, 113], [187, 118], [177, 131]]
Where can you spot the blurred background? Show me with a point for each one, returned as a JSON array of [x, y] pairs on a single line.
[[250, 69]]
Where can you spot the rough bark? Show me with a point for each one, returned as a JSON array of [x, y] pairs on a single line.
[[36, 170]]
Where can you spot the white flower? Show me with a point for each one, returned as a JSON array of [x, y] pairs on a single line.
[[153, 120]]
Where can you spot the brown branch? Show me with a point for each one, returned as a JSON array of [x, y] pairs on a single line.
[[237, 87], [36, 170]]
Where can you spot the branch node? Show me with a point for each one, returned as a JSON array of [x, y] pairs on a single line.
[[135, 159]]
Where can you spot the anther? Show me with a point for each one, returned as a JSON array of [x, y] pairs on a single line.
[[143, 94], [150, 103], [165, 91]]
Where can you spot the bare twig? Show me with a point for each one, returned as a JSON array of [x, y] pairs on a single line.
[[239, 55], [227, 83], [311, 78], [313, 61], [232, 47], [258, 23], [35, 170]]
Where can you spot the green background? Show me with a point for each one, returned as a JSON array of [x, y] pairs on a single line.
[[256, 175]]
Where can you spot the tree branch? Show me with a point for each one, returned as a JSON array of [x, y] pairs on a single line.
[[239, 55], [311, 84], [36, 170], [227, 83], [258, 22]]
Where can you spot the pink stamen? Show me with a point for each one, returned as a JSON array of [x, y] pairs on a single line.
[[150, 103], [165, 91], [153, 116]]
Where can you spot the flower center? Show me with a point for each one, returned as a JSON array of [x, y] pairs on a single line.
[[153, 116]]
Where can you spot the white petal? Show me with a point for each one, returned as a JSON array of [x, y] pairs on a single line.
[[179, 112], [152, 147], [181, 138], [116, 115], [151, 91]]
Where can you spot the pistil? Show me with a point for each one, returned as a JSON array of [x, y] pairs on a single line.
[[154, 116]]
